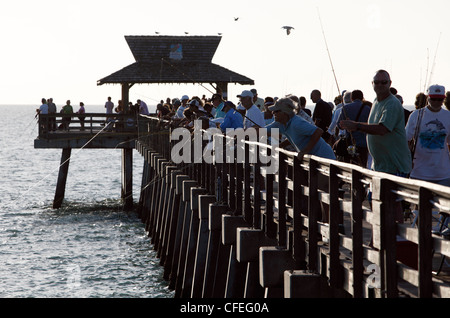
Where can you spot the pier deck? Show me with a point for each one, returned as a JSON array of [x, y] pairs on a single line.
[[91, 131]]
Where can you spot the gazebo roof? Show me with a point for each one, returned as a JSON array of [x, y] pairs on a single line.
[[174, 59]]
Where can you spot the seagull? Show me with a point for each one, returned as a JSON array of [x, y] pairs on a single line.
[[288, 29]]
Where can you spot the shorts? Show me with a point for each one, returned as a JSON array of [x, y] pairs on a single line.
[[444, 182]]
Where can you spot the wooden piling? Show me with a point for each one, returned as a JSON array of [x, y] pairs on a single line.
[[62, 178]]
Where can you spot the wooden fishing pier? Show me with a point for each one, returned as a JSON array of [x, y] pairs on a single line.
[[218, 235]]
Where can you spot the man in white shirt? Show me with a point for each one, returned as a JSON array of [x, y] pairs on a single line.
[[179, 113], [143, 109], [430, 128], [258, 101], [253, 116], [43, 110], [109, 105]]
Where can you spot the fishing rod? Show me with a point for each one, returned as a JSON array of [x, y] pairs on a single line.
[[332, 66], [353, 150], [426, 73], [329, 55], [434, 60], [182, 73]]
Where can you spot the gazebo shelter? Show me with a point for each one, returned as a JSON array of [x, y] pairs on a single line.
[[174, 59]]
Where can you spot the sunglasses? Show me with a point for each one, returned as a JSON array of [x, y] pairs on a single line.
[[380, 82], [437, 99]]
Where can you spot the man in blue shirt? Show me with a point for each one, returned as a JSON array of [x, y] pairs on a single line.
[[305, 137], [360, 113], [233, 119]]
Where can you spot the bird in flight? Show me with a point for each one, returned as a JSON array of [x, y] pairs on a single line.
[[235, 19], [288, 29]]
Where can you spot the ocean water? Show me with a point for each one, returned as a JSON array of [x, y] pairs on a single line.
[[89, 248]]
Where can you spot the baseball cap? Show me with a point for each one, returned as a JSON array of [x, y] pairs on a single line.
[[293, 97], [285, 105], [194, 102], [246, 94], [436, 91], [184, 97], [216, 96], [229, 103]]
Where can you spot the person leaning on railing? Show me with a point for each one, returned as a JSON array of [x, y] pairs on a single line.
[[66, 110], [43, 110], [305, 137]]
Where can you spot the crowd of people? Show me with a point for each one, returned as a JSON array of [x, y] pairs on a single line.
[[48, 107], [381, 135]]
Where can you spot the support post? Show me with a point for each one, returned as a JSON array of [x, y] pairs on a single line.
[[62, 178], [127, 178], [125, 96], [222, 88]]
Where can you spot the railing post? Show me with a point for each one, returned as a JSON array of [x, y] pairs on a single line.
[[247, 184], [357, 196], [334, 211], [270, 225], [282, 185], [313, 216], [425, 251], [384, 200], [257, 192], [299, 252]]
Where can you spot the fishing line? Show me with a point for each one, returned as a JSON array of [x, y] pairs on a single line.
[[186, 76], [67, 160]]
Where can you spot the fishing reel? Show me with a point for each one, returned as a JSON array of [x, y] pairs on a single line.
[[352, 150]]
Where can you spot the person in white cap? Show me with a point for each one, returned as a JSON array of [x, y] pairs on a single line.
[[253, 116], [429, 129]]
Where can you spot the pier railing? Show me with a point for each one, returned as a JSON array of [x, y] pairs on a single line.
[[317, 217], [54, 125]]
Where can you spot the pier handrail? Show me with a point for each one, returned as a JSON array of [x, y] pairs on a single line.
[[90, 123], [291, 215]]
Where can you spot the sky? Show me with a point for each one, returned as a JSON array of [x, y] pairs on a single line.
[[60, 49]]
